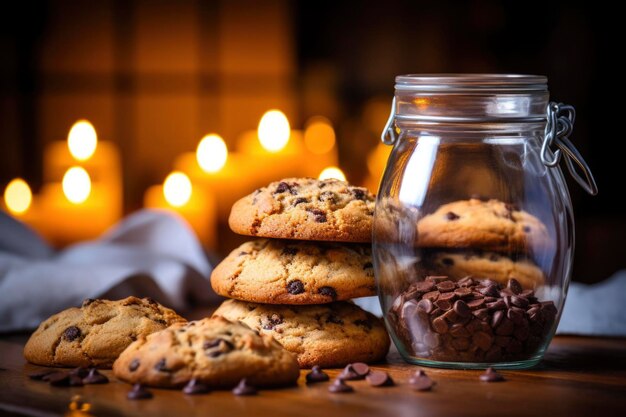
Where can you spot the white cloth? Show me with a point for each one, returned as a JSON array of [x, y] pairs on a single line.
[[151, 253], [590, 310]]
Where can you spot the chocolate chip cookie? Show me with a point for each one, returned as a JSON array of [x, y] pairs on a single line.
[[97, 332], [291, 272], [488, 225], [486, 265], [306, 209], [328, 335], [214, 351]]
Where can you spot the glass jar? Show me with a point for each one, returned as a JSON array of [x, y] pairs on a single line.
[[474, 230]]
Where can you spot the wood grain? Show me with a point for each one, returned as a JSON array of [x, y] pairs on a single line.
[[579, 377]]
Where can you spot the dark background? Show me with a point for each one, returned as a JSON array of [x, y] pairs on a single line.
[[338, 59]]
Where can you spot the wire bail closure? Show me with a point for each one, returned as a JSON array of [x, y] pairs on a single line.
[[559, 126]]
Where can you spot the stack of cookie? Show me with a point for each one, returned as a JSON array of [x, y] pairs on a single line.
[[485, 240], [294, 282]]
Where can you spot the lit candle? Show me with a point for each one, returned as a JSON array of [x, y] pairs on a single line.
[[217, 171], [82, 194], [332, 172], [320, 146], [196, 206]]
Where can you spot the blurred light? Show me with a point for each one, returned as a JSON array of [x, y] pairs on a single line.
[[319, 136], [332, 172], [212, 153], [76, 185], [422, 103], [17, 196], [82, 140], [274, 130], [177, 189]]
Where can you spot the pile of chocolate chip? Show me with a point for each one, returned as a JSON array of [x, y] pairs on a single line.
[[471, 321], [72, 378]]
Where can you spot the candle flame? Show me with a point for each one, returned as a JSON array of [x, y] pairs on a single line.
[[332, 172], [76, 185], [177, 189], [274, 131], [82, 140], [319, 136], [17, 196], [212, 153]]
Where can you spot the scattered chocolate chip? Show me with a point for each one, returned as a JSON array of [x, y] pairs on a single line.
[[64, 379], [491, 375], [379, 379], [134, 364], [39, 376], [71, 333], [349, 374], [80, 372], [243, 388], [195, 387], [316, 375], [452, 216], [328, 292], [421, 382], [340, 387], [361, 369], [139, 392], [95, 377], [295, 287]]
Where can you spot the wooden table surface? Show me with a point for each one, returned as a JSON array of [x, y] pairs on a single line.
[[579, 377]]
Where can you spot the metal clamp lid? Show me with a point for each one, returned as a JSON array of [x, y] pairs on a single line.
[[560, 124]]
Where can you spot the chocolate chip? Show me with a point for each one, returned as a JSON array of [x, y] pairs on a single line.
[[243, 388], [134, 364], [514, 286], [447, 261], [334, 319], [211, 343], [461, 308], [282, 187], [328, 292], [491, 375], [328, 196], [425, 305], [299, 200], [526, 229], [421, 382], [340, 387], [359, 193], [519, 301], [452, 216], [379, 379], [365, 323], [273, 321], [95, 377], [349, 374], [39, 376], [496, 319], [195, 387], [316, 375], [446, 286], [161, 366], [288, 250], [318, 215], [440, 325], [80, 372], [71, 333], [443, 305], [361, 369], [87, 301], [139, 392], [295, 287], [368, 265], [242, 253]]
